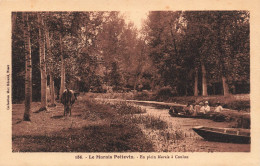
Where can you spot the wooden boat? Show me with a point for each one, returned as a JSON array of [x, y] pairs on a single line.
[[234, 135], [213, 116]]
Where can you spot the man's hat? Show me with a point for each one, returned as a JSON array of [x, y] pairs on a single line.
[[206, 102]]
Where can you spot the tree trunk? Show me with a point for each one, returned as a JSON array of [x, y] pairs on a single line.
[[138, 72], [173, 39], [204, 80], [137, 78], [225, 86], [222, 54], [42, 65], [28, 69], [196, 83], [48, 48], [52, 90], [62, 82]]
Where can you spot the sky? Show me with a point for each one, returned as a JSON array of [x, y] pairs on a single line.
[[136, 17]]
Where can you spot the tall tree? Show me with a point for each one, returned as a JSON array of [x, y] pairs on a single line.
[[228, 27], [165, 34], [28, 68], [42, 63], [62, 81], [196, 82], [51, 64], [198, 33], [204, 80], [221, 27]]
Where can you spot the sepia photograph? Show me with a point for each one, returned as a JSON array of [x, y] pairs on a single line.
[[131, 81], [108, 82]]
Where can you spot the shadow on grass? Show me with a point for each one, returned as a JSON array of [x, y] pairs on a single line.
[[100, 138], [19, 121], [57, 117], [61, 116]]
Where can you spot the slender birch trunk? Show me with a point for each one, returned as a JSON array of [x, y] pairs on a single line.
[[225, 86], [28, 68], [137, 77], [221, 32], [196, 82], [42, 65], [48, 48], [52, 90], [62, 83]]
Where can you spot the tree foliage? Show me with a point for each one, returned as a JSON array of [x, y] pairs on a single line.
[[203, 51], [212, 41]]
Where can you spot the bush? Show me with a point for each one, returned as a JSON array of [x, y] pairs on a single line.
[[238, 105], [144, 95], [164, 93], [229, 102]]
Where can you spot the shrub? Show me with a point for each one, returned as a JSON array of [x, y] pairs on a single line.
[[164, 93], [228, 102], [238, 105], [144, 95]]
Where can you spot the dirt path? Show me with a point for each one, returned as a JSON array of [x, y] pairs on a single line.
[[46, 121]]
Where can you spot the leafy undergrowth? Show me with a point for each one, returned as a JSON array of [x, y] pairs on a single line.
[[91, 128], [164, 137], [151, 122]]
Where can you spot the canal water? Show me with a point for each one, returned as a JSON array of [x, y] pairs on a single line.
[[193, 142]]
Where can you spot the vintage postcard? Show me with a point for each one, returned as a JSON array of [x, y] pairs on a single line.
[[130, 82]]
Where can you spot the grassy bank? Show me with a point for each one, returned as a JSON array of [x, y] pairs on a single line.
[[91, 128], [237, 106], [240, 102]]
